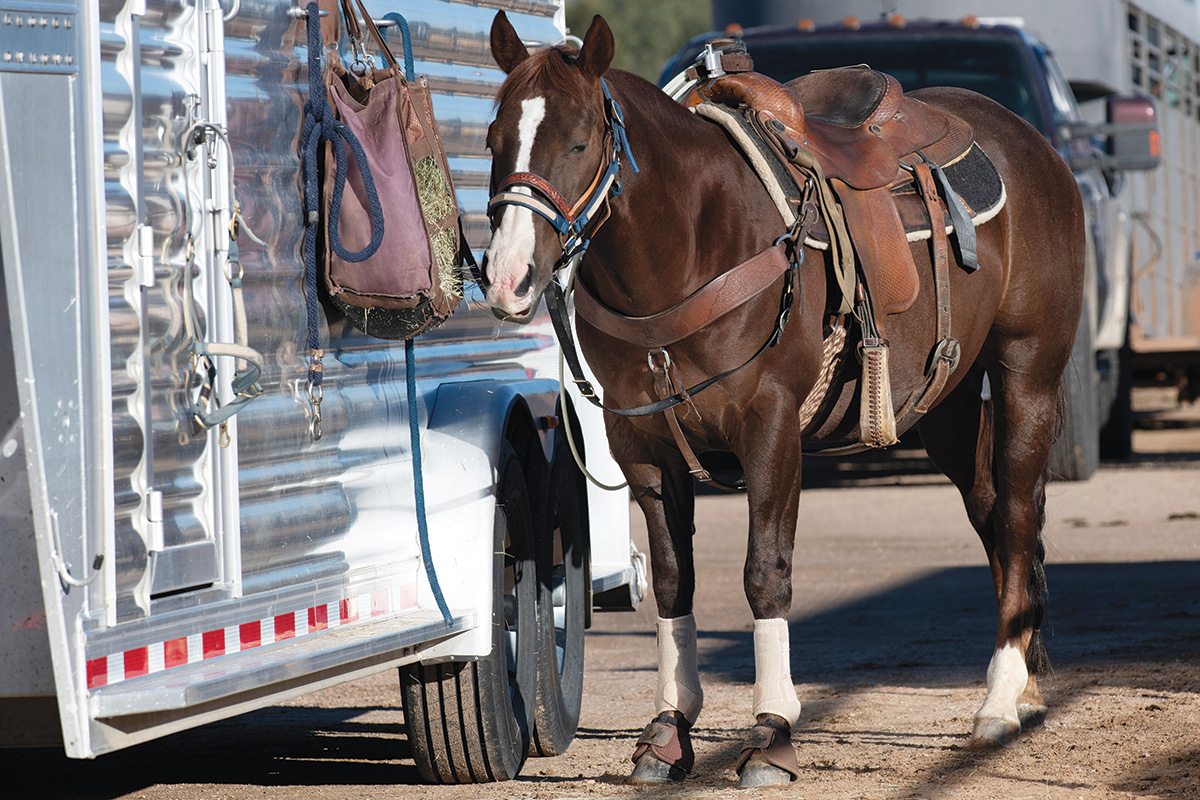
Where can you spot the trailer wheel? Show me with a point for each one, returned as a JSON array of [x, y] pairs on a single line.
[[470, 722], [1076, 453], [563, 583]]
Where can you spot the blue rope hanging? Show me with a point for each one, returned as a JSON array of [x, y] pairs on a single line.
[[320, 125], [414, 432]]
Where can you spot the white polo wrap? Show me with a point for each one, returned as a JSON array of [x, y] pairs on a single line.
[[678, 673], [773, 689]]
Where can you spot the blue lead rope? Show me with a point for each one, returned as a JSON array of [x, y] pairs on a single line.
[[406, 40], [320, 125], [414, 432]]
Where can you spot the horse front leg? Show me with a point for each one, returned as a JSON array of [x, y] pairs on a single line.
[[773, 483], [663, 489]]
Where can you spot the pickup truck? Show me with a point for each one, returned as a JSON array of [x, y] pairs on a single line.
[[1010, 65]]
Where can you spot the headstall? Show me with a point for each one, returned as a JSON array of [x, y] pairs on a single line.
[[574, 224]]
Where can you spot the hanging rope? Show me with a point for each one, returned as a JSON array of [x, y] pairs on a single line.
[[320, 125], [414, 432]]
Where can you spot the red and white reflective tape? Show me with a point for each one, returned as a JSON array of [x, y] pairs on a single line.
[[115, 667]]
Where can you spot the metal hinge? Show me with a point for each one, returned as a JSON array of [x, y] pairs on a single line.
[[144, 261], [154, 521]]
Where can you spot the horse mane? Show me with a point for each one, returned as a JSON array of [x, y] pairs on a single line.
[[552, 68]]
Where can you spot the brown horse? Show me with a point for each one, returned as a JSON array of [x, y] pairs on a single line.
[[693, 209]]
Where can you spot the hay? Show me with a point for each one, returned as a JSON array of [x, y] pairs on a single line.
[[433, 190], [445, 248], [436, 204]]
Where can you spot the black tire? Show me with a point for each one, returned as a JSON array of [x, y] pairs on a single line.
[[470, 722], [1076, 453], [564, 577], [1116, 437]]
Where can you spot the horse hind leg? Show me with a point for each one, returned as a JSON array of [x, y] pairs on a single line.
[[960, 436], [1027, 419]]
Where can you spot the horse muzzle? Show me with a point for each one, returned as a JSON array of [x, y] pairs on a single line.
[[510, 297]]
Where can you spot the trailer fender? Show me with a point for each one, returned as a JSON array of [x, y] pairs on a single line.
[[468, 423]]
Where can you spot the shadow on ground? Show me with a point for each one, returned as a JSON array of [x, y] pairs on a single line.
[[932, 632], [945, 624], [272, 747], [939, 631]]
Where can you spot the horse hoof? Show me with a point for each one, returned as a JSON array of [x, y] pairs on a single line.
[[992, 732], [758, 773], [649, 771], [1030, 715]]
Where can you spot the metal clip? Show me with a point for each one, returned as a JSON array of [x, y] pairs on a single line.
[[360, 66], [315, 395], [296, 12], [712, 61]]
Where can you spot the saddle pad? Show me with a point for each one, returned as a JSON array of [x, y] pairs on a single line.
[[975, 181], [776, 177]]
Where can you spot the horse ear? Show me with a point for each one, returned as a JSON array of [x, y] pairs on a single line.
[[597, 51], [507, 47]]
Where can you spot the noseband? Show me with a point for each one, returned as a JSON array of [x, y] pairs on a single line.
[[574, 224]]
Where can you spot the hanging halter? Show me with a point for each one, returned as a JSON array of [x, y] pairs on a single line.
[[574, 224]]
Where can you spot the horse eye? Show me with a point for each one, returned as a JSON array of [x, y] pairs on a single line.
[[579, 148]]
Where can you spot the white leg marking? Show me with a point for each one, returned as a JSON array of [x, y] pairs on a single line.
[[678, 673], [774, 692], [511, 247], [1006, 678]]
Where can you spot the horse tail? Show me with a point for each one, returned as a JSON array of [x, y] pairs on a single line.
[[985, 454], [1037, 661]]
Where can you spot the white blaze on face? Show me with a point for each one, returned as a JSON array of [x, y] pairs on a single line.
[[511, 248]]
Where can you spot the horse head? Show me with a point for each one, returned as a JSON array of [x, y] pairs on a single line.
[[551, 145]]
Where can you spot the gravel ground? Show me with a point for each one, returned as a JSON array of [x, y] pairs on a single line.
[[892, 628]]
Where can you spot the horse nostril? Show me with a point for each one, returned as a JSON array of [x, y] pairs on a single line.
[[525, 285]]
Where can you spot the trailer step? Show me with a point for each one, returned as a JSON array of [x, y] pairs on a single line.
[[340, 651]]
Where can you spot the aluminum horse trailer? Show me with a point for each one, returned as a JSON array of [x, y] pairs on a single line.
[[156, 574]]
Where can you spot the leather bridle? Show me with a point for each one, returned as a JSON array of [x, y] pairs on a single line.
[[575, 224]]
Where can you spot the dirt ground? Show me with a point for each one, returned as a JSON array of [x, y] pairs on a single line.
[[892, 627]]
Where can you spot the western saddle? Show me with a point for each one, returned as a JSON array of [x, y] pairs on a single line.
[[852, 134]]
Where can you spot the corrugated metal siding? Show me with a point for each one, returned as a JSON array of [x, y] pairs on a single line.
[[149, 64], [299, 499]]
